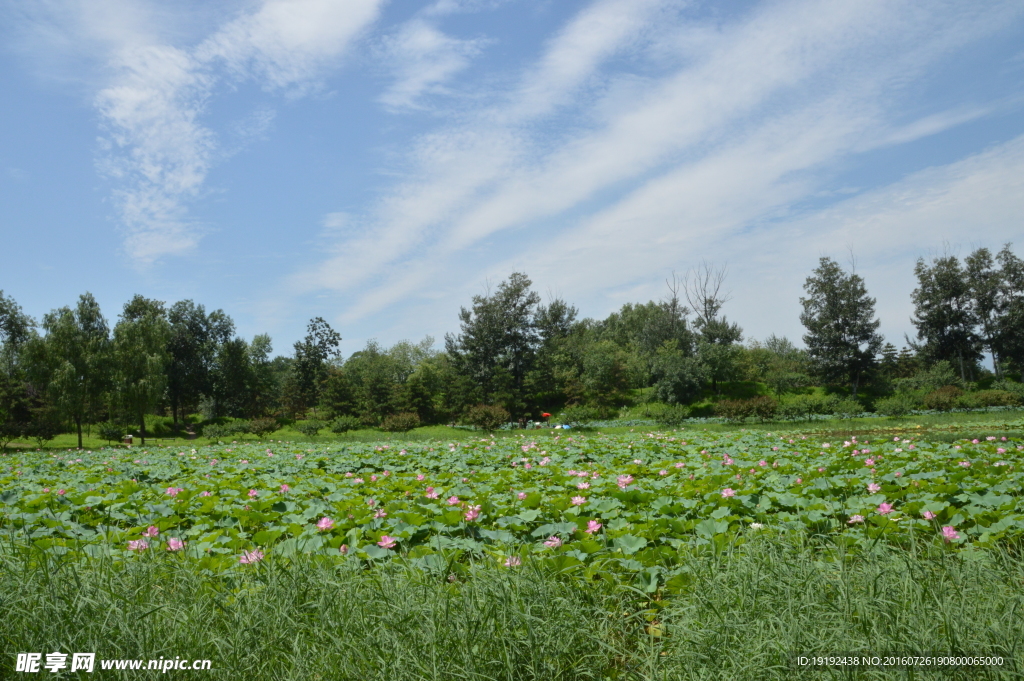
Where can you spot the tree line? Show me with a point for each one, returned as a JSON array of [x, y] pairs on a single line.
[[513, 357]]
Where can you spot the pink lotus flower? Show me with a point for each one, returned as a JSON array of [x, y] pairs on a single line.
[[898, 474], [728, 492], [358, 480], [46, 490], [592, 527], [421, 477], [884, 508], [680, 464], [762, 463], [583, 485], [171, 491], [965, 464], [553, 542], [663, 472], [874, 487], [371, 502], [373, 478], [472, 513], [928, 515], [579, 501], [513, 561], [348, 474], [624, 481], [387, 542], [138, 545], [205, 493], [432, 493], [949, 533], [799, 480], [855, 519], [175, 544], [249, 557], [324, 524], [381, 513], [253, 494], [521, 496], [869, 462], [151, 531], [453, 500], [285, 488], [343, 549]]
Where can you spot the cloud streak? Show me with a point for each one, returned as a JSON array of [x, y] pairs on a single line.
[[156, 148]]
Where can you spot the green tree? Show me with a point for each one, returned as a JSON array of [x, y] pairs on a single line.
[[1009, 334], [944, 314], [71, 362], [192, 351], [497, 344], [140, 359], [311, 358], [842, 332], [16, 329]]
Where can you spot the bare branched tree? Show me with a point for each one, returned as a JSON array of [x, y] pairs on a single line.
[[703, 290]]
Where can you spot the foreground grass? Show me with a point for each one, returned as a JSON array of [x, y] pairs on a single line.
[[745, 613]]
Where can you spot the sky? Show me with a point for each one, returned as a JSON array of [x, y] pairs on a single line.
[[379, 163]]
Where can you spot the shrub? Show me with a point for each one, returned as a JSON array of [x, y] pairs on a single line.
[[238, 428], [310, 428], [896, 405], [995, 398], [343, 424], [43, 428], [487, 416], [10, 431], [733, 410], [673, 416], [214, 431], [577, 415], [401, 422], [848, 408], [262, 427], [110, 432], [943, 399], [763, 407]]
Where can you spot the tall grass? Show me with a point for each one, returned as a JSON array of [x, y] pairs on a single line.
[[741, 614]]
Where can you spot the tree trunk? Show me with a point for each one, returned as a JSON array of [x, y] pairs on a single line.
[[142, 427], [78, 423], [174, 412], [960, 354]]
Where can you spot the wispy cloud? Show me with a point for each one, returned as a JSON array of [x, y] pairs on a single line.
[[157, 83], [423, 59], [656, 163]]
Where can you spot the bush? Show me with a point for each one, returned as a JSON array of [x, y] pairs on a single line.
[[763, 407], [310, 428], [401, 422], [577, 415], [43, 428], [896, 405], [943, 399], [262, 427], [343, 424], [848, 408], [214, 431], [110, 432], [487, 416], [673, 416], [994, 398], [238, 428], [733, 410]]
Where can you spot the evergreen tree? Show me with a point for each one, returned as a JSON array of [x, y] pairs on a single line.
[[944, 314], [498, 340], [842, 333]]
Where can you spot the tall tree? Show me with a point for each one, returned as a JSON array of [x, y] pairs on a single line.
[[192, 349], [71, 362], [140, 358], [944, 314], [311, 356], [16, 328], [1009, 336], [985, 285], [717, 341], [497, 344], [842, 332]]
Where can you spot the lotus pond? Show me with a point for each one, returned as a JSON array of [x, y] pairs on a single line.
[[609, 506]]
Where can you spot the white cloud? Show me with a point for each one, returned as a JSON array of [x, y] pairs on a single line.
[[423, 59], [156, 148], [732, 137]]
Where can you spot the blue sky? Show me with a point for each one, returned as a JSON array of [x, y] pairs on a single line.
[[378, 163]]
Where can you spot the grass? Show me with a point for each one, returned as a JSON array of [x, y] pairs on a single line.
[[745, 613]]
